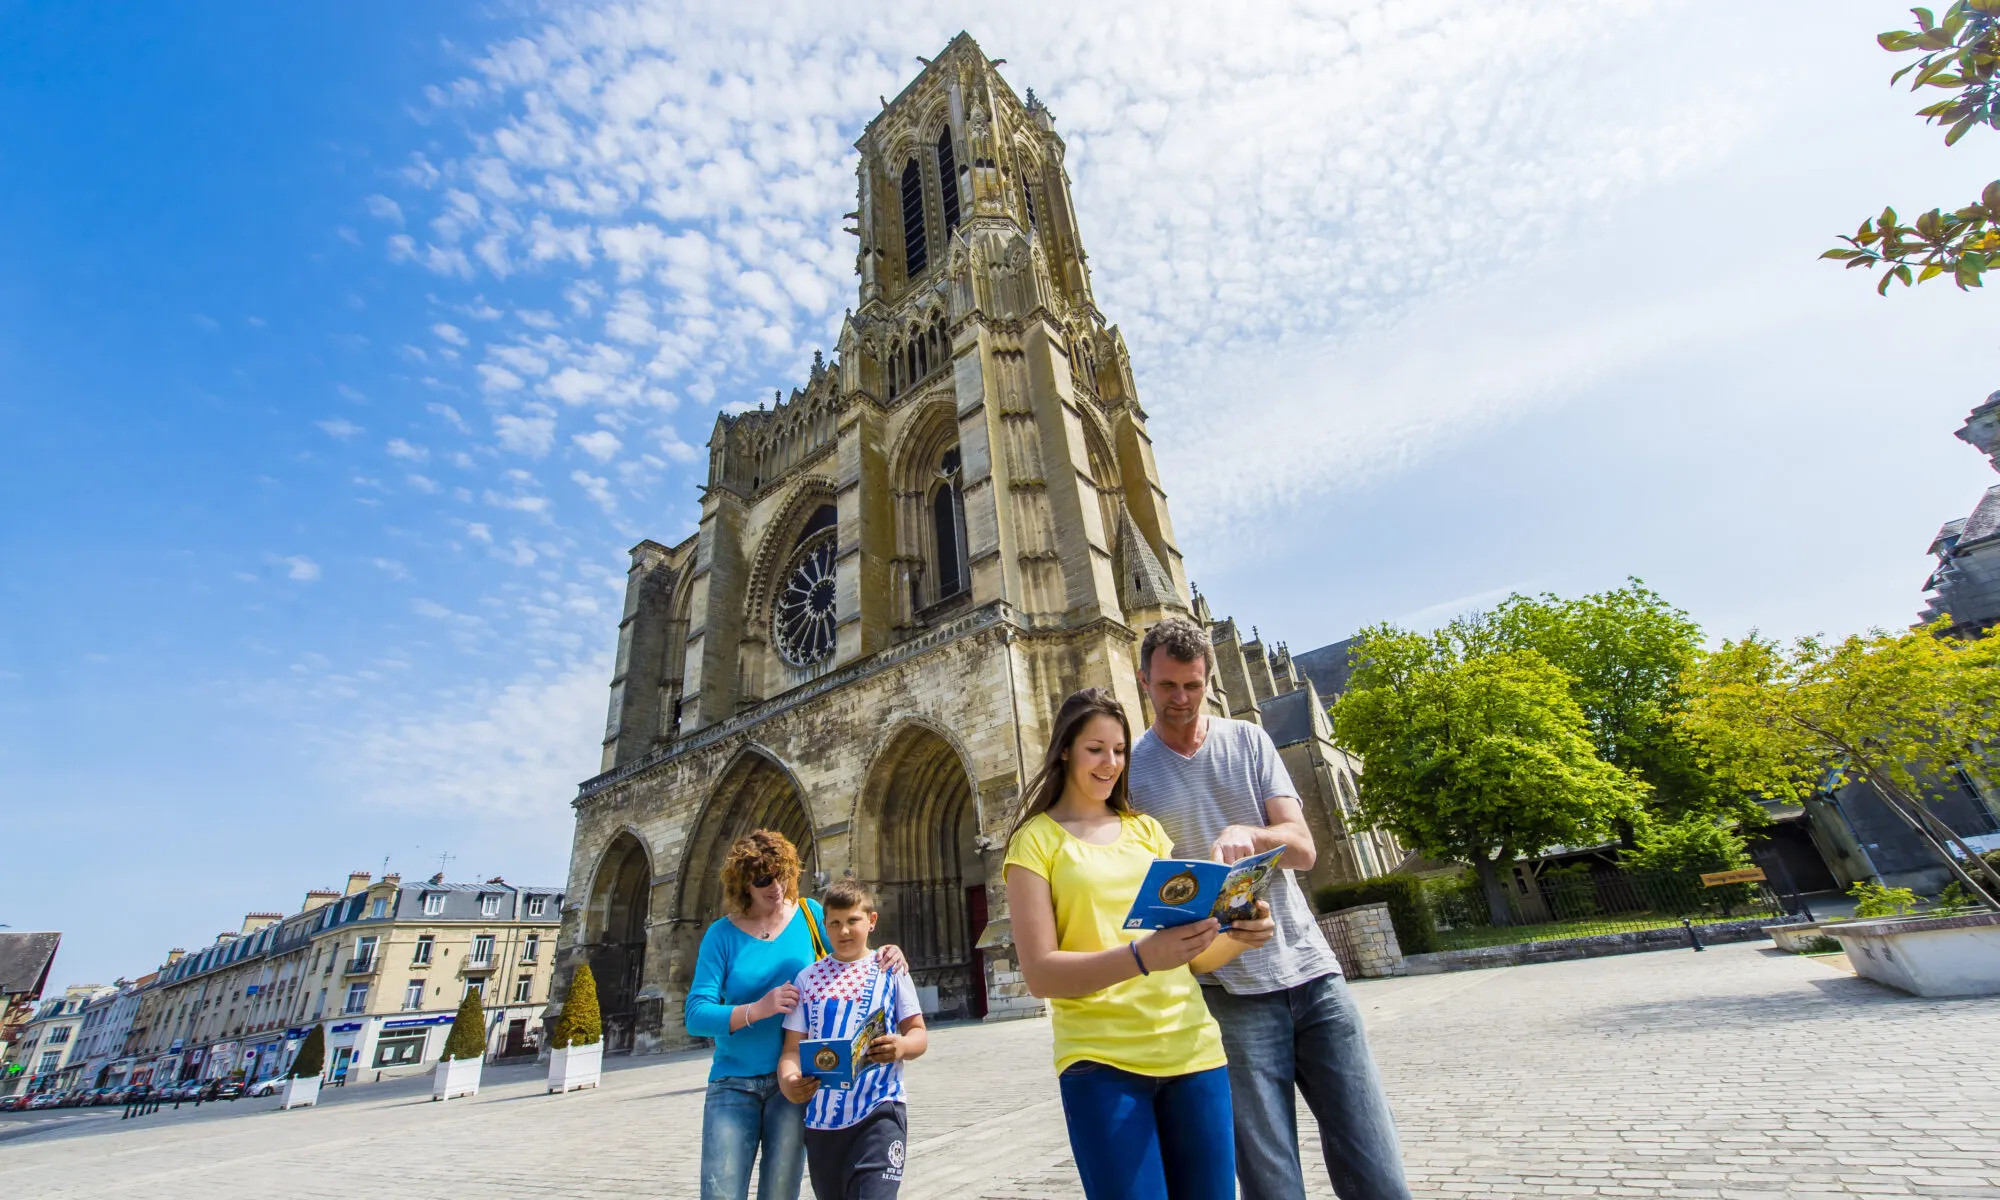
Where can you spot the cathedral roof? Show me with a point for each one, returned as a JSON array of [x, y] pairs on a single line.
[[1289, 718], [1327, 667], [1985, 519], [1142, 581]]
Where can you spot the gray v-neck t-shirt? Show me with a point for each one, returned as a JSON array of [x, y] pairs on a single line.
[[1226, 783]]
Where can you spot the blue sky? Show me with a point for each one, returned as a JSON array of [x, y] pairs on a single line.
[[343, 351]]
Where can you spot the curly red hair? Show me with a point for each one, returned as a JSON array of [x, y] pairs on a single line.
[[759, 852]]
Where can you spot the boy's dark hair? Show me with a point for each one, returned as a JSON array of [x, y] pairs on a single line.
[[1183, 641], [846, 893]]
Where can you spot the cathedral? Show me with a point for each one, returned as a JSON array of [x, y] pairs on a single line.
[[900, 571]]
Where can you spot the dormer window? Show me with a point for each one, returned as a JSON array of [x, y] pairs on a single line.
[[489, 906], [433, 903], [915, 255]]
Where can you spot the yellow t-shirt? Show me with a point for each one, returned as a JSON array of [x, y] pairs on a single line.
[[1152, 1024]]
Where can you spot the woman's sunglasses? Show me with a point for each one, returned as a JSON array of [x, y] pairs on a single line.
[[763, 881]]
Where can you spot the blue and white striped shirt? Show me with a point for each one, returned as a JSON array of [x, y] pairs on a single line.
[[835, 999]]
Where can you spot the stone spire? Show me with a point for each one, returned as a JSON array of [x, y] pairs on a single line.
[[1982, 429], [1143, 584]]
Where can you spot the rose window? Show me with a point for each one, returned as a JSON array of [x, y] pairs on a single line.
[[803, 622]]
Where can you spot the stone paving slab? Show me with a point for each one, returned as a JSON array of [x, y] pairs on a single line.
[[1733, 1073]]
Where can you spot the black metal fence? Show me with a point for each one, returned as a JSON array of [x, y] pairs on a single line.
[[1583, 903]]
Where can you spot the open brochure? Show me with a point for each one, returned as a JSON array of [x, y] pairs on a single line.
[[1178, 891], [835, 1062]]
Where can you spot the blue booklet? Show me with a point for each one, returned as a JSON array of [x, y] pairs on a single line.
[[835, 1062], [1178, 891]]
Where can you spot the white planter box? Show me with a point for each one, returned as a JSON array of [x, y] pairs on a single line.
[[575, 1067], [456, 1077], [1792, 938], [1926, 956], [300, 1093]]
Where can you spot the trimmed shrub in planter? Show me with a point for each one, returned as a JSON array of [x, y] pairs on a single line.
[[302, 1081], [1409, 908], [459, 1068], [576, 1057]]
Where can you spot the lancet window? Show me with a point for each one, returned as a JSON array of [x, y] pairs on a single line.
[[947, 181], [915, 256], [947, 507]]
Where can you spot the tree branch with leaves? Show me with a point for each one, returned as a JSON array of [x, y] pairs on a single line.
[[1961, 55]]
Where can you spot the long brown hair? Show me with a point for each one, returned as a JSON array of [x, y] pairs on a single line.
[[1047, 786]]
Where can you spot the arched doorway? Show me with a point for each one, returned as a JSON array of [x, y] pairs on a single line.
[[620, 902], [917, 844], [755, 792]]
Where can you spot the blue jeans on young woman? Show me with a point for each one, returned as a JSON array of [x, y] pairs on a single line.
[[741, 1114], [1310, 1035], [1141, 1137]]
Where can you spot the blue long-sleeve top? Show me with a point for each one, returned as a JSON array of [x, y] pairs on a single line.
[[734, 968]]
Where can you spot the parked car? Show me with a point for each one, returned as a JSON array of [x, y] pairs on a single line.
[[228, 1089], [265, 1087], [43, 1100], [13, 1103]]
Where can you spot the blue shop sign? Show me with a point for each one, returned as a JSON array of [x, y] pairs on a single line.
[[419, 1022], [348, 1027]]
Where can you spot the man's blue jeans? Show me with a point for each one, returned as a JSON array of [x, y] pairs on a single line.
[[1310, 1035], [740, 1114], [1141, 1137]]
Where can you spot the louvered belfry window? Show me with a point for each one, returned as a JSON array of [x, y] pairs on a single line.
[[948, 181], [914, 257]]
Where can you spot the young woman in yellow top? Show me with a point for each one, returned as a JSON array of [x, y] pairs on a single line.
[[1144, 1087]]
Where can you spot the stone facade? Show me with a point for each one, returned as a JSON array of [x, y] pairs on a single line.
[[1966, 583], [900, 570]]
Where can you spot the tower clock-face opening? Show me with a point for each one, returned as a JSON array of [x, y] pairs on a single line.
[[802, 622]]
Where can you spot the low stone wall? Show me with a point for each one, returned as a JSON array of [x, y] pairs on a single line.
[[1364, 940], [1519, 954]]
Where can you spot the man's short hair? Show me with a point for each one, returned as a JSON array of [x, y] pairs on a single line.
[[1182, 639], [846, 893]]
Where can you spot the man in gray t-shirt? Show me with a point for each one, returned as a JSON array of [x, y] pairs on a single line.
[[1219, 789]]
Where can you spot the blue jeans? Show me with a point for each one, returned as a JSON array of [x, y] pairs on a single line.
[[740, 1114], [1141, 1137], [1311, 1036]]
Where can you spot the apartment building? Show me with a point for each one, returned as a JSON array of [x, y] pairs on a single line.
[[43, 1058], [382, 964]]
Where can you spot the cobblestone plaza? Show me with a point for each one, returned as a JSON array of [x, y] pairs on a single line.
[[1734, 1073]]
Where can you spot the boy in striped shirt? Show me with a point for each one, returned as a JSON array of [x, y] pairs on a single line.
[[855, 1136]]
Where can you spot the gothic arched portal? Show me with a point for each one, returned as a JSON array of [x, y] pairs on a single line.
[[615, 939], [755, 792], [916, 844]]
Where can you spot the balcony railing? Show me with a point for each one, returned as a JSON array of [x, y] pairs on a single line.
[[478, 964], [363, 966]]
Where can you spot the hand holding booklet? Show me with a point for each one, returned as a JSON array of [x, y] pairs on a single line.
[[836, 1062], [1178, 891]]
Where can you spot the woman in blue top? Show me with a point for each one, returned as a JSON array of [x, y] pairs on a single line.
[[741, 992]]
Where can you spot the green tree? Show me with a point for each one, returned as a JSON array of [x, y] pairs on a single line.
[[468, 1029], [580, 1023], [1474, 757], [311, 1058], [1899, 710], [1961, 56], [1627, 651], [1689, 848]]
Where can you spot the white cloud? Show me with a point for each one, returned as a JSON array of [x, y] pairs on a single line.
[[518, 502], [398, 448], [422, 483], [339, 427], [384, 209], [597, 487], [391, 568], [450, 415], [450, 333], [601, 444], [301, 568], [533, 436]]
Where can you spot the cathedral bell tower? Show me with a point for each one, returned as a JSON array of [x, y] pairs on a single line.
[[902, 568]]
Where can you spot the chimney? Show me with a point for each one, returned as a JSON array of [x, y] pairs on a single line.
[[438, 878], [319, 898], [252, 922], [496, 879], [393, 877], [357, 881], [175, 955]]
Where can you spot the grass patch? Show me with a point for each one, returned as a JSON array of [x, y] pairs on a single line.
[[1509, 935]]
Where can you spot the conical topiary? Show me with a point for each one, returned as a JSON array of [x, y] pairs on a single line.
[[468, 1029], [311, 1058], [580, 1023]]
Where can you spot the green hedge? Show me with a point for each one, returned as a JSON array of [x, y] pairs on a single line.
[[579, 1023], [1409, 908]]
